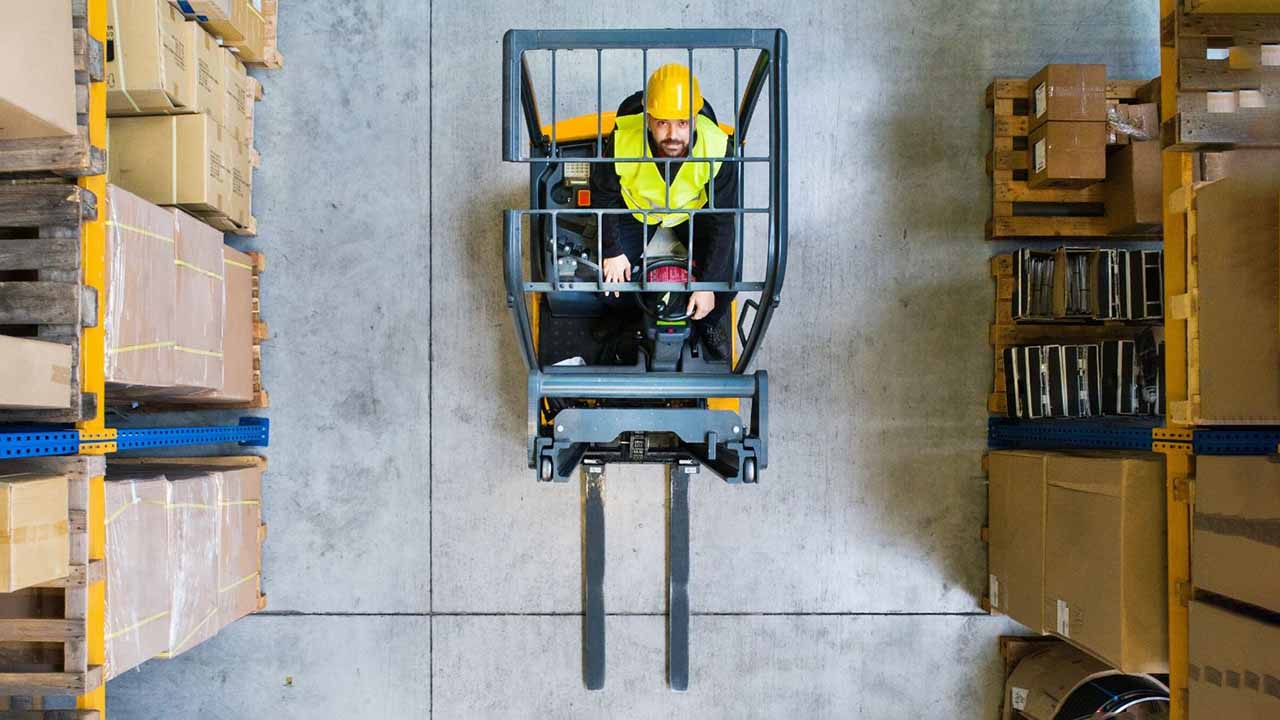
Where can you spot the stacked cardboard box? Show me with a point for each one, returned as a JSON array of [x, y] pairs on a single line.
[[34, 374], [1078, 550], [40, 100], [179, 307], [1067, 126], [34, 541], [202, 558], [238, 23], [179, 132]]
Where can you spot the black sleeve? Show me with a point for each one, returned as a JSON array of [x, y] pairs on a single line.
[[724, 188], [606, 192]]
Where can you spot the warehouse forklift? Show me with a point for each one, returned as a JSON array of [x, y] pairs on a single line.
[[644, 390]]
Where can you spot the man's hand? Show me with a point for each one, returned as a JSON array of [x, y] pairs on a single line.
[[701, 304], [617, 269]]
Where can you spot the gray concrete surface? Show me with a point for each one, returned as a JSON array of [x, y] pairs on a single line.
[[845, 585]]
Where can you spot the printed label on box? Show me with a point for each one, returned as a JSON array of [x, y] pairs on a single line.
[[1064, 619], [1041, 100], [1038, 152], [993, 589], [1019, 698]]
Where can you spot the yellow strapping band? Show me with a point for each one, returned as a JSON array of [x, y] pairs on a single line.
[[196, 506], [140, 231], [235, 263], [194, 351], [202, 271], [139, 624], [196, 629], [112, 517], [146, 346], [238, 583]]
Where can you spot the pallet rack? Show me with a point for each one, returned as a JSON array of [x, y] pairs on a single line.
[[64, 255]]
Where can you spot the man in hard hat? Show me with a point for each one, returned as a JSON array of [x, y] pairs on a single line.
[[673, 96]]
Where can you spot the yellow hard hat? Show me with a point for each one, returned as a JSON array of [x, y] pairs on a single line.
[[668, 93]]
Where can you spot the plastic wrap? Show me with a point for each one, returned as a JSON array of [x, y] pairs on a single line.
[[140, 289], [240, 553], [237, 338], [137, 566], [198, 310], [1124, 122], [194, 529]]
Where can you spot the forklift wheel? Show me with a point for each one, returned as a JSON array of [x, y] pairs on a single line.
[[749, 471], [546, 470]]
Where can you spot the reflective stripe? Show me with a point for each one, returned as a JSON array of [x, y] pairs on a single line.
[[643, 184]]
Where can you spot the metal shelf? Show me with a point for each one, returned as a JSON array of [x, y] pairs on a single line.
[[1235, 442], [24, 442], [1071, 434]]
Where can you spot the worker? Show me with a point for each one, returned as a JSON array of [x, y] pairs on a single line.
[[673, 96]]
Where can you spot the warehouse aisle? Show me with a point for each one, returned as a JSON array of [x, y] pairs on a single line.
[[413, 561]]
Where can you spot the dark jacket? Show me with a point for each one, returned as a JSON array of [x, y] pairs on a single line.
[[606, 192]]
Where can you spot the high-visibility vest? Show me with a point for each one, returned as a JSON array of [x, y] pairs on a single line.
[[643, 183]]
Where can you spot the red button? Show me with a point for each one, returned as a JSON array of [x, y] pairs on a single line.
[[584, 198]]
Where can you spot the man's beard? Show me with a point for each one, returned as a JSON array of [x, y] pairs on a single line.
[[673, 149]]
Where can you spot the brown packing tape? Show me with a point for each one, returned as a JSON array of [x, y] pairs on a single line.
[[60, 375], [34, 533], [1261, 530]]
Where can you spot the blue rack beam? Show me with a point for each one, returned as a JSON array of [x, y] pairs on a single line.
[[1072, 434], [20, 443], [1235, 442]]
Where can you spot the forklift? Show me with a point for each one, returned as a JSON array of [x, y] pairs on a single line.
[[645, 392]]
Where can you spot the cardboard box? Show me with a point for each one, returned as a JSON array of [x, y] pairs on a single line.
[[1059, 681], [179, 160], [39, 101], [237, 338], [138, 592], [141, 282], [1236, 512], [211, 71], [1133, 201], [1105, 557], [242, 185], [151, 59], [1230, 6], [1234, 665], [34, 542], [1068, 93], [239, 552], [194, 526], [201, 300], [238, 22], [34, 374], [1016, 498], [1239, 350], [1144, 118], [1067, 154], [235, 84]]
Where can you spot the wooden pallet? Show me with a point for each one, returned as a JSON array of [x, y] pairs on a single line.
[[1006, 333], [42, 292], [72, 156], [261, 333], [1021, 212], [1223, 102], [273, 59], [44, 629]]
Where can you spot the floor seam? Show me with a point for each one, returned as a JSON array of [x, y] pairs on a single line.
[[286, 613], [431, 333]]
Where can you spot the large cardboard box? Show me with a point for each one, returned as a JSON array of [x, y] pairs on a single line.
[[194, 526], [211, 59], [238, 22], [34, 542], [1068, 93], [1234, 665], [40, 99], [34, 374], [1134, 200], [1067, 154], [1237, 514], [1239, 348], [179, 160], [151, 59], [1016, 549], [141, 284], [139, 584], [235, 84], [1058, 681], [242, 184], [237, 338], [239, 552], [201, 300], [1105, 557]]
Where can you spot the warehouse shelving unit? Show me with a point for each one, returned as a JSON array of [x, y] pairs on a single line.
[[74, 442]]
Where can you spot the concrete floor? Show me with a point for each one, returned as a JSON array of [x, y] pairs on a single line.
[[414, 567]]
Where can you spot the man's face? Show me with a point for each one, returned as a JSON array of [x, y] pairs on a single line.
[[672, 136]]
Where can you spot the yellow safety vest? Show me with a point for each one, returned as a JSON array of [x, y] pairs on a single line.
[[643, 186]]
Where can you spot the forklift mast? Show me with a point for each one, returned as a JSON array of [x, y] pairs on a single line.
[[680, 408]]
